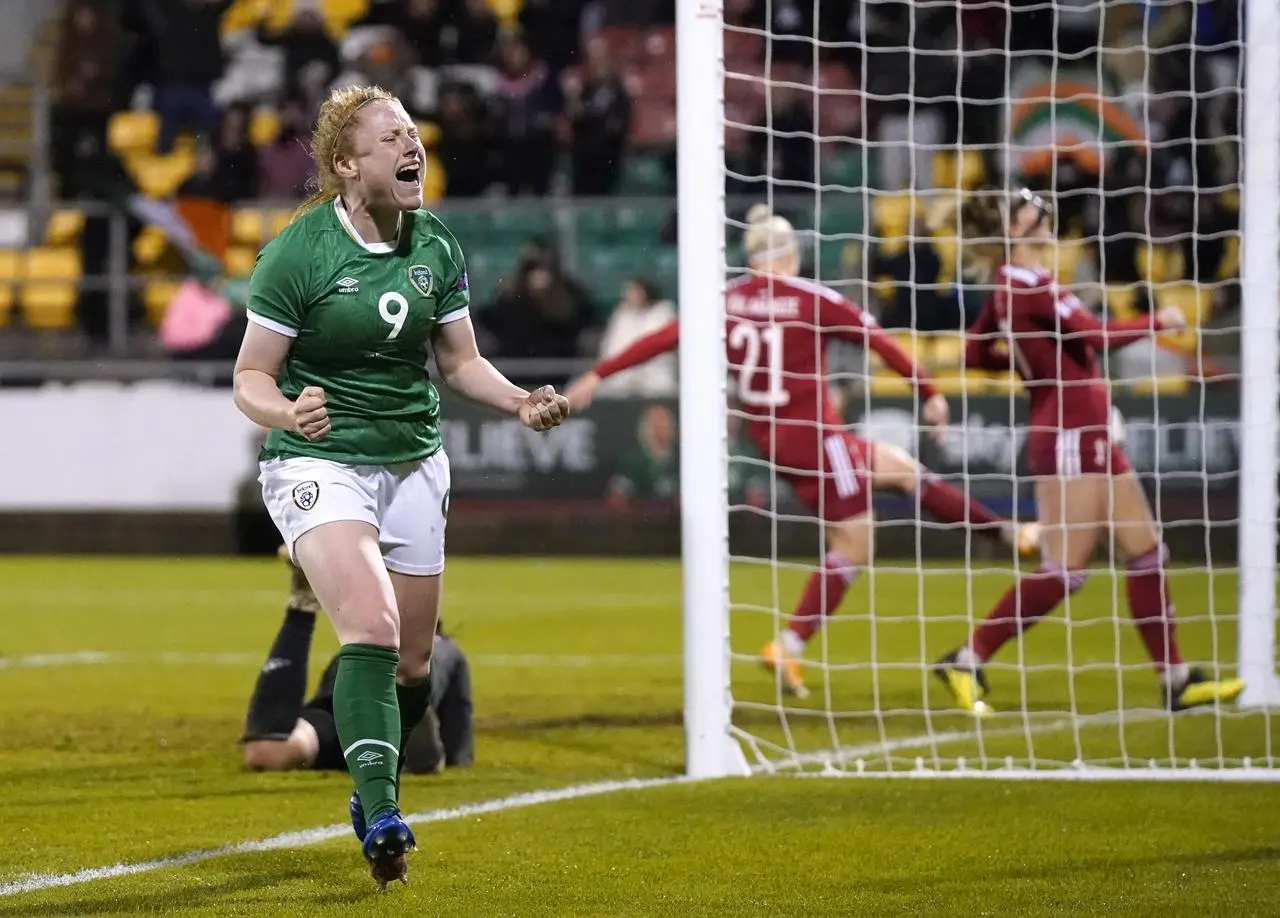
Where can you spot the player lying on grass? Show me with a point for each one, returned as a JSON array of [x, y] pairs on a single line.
[[778, 326], [1084, 485], [345, 307], [282, 733]]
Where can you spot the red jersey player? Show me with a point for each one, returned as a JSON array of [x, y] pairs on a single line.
[[777, 329], [1083, 481]]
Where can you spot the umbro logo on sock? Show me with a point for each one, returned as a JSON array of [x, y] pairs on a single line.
[[274, 663], [368, 757]]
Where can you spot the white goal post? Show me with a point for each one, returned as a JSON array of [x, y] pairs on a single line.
[[1079, 701]]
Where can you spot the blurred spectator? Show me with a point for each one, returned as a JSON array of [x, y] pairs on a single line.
[[386, 61], [85, 88], [651, 471], [284, 165], [638, 313], [441, 31], [553, 29], [466, 146], [599, 111], [606, 14], [540, 313], [311, 59], [189, 59], [227, 171], [786, 152], [529, 107], [918, 301]]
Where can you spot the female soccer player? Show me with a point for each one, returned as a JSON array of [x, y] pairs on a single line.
[[344, 308], [778, 328], [1083, 481]]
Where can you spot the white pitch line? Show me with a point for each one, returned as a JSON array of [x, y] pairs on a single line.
[[41, 881], [501, 660]]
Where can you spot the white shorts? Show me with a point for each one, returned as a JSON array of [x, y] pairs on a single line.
[[407, 503]]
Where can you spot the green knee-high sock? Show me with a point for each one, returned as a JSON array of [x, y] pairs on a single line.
[[413, 701], [368, 721]]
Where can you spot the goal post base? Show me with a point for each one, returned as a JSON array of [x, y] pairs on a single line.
[[716, 757], [1263, 694]]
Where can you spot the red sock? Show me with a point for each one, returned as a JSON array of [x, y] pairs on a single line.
[[948, 504], [822, 594], [1030, 599], [1147, 588]]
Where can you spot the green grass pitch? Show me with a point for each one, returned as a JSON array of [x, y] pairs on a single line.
[[123, 685]]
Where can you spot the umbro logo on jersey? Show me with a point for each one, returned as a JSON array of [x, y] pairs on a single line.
[[348, 285]]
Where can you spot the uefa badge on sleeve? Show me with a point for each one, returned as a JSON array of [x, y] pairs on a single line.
[[305, 494], [420, 277]]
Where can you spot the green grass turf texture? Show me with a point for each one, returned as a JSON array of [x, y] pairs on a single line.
[[134, 758]]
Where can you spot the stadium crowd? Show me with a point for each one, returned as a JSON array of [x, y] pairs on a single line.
[[209, 100]]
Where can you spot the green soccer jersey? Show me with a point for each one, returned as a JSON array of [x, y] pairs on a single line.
[[361, 316]]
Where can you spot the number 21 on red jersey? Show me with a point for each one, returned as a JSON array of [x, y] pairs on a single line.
[[760, 375]]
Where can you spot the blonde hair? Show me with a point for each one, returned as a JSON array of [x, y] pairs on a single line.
[[980, 224], [333, 135], [767, 236]]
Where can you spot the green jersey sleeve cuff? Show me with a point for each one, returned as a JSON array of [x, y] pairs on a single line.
[[460, 313], [271, 324]]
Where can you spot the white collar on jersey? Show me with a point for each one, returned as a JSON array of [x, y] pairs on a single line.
[[377, 248]]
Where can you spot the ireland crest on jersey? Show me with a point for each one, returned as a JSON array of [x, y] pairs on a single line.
[[420, 277]]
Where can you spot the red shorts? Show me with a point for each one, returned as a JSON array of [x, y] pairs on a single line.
[[840, 487], [1074, 452]]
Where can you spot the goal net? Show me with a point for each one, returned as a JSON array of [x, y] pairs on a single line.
[[1152, 135]]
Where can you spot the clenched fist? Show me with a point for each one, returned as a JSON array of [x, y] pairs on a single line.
[[310, 416], [544, 409]]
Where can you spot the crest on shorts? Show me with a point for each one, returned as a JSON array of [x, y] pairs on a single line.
[[306, 494], [420, 277]]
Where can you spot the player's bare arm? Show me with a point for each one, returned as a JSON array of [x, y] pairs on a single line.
[[258, 396], [469, 374]]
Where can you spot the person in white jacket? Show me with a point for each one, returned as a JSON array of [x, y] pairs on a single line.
[[638, 313]]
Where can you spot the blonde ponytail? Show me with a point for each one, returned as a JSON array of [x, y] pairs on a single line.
[[767, 236], [332, 136]]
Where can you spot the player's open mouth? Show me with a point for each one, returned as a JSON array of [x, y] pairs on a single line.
[[410, 175]]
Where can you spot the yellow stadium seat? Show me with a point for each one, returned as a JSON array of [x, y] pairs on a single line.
[[264, 126], [248, 226], [277, 220], [1162, 385], [948, 249], [946, 351], [1063, 259], [10, 266], [130, 132], [156, 297], [1195, 302], [1120, 302], [245, 14], [339, 15], [239, 260], [64, 227], [887, 384], [962, 170], [161, 176], [507, 12], [1230, 266], [149, 246], [1160, 264], [48, 298], [891, 215]]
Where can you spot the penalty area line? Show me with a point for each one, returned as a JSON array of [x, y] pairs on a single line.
[[301, 839]]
